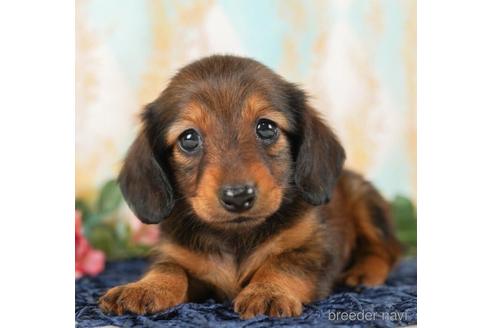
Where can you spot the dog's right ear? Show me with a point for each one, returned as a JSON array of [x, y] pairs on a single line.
[[144, 184]]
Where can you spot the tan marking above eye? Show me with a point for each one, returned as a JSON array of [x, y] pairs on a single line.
[[276, 117], [177, 129], [257, 108], [192, 117]]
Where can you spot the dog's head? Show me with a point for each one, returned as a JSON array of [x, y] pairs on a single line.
[[232, 140]]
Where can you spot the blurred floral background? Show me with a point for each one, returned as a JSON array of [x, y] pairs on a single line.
[[356, 58]]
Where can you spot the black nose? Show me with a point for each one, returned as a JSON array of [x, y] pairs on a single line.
[[238, 198]]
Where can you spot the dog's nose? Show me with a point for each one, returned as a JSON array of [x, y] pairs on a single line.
[[238, 198]]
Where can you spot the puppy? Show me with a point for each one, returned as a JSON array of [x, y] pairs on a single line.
[[254, 206]]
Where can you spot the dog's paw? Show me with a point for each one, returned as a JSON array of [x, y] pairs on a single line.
[[366, 274], [268, 299], [138, 298], [355, 278]]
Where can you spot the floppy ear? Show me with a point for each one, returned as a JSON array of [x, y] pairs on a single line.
[[320, 158], [144, 184]]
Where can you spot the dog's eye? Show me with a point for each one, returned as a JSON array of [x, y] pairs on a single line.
[[266, 130], [190, 141]]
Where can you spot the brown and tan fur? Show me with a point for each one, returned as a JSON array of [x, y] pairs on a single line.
[[312, 225]]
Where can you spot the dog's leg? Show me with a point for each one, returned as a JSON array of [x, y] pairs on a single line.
[[377, 248], [370, 268], [279, 287], [164, 286]]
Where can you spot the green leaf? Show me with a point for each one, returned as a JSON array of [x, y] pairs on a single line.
[[405, 216], [138, 251], [83, 207], [90, 221], [110, 197], [102, 238], [123, 231]]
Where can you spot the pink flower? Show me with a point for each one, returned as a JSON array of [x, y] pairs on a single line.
[[144, 234], [87, 260], [147, 235]]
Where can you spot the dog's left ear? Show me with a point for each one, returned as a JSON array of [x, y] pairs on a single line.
[[145, 178], [320, 156], [144, 184]]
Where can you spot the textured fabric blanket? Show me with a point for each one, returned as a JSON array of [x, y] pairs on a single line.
[[390, 305]]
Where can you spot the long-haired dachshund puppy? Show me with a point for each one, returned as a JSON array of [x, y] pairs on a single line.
[[254, 206]]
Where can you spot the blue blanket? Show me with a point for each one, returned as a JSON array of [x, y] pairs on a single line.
[[390, 305]]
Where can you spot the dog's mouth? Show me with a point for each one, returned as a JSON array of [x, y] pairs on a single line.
[[241, 221]]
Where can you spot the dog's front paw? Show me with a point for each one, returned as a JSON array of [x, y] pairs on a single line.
[[138, 298], [269, 299]]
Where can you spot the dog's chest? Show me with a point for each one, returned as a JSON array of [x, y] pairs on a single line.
[[224, 272], [219, 270]]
